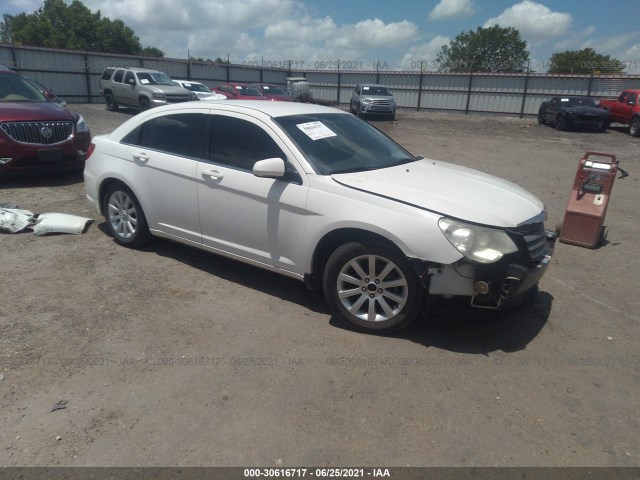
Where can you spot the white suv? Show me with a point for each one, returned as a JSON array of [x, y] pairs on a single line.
[[321, 196]]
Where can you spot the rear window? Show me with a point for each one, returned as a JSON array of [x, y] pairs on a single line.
[[106, 75]]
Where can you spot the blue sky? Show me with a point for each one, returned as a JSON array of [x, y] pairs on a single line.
[[398, 34]]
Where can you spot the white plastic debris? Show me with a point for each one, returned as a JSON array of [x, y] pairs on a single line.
[[14, 220], [60, 223]]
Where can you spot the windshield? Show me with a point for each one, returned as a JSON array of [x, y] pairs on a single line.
[[382, 91], [248, 91], [340, 143], [577, 102], [155, 78], [195, 87], [271, 90], [14, 88]]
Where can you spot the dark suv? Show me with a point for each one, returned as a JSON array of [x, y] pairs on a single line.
[[37, 135]]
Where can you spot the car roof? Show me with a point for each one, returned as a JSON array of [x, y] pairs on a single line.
[[270, 109], [186, 81], [373, 85]]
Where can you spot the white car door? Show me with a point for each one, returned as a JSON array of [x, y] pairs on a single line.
[[261, 219], [164, 155]]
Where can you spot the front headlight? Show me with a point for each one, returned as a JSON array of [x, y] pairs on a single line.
[[481, 244], [81, 125], [158, 96], [366, 100]]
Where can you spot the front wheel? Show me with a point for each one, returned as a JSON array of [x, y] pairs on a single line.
[[125, 219], [541, 119], [634, 127], [604, 126], [144, 104], [372, 288], [562, 123]]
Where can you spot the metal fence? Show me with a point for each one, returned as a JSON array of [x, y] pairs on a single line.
[[74, 75]]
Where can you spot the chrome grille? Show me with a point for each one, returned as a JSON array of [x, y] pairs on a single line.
[[38, 133], [380, 102], [177, 98], [535, 238]]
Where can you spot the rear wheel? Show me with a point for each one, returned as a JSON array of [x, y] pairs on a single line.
[[372, 288], [634, 127], [111, 102], [604, 126], [125, 219]]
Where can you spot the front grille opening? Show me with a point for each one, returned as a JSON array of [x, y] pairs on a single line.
[[38, 133]]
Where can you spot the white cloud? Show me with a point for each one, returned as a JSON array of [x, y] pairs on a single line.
[[424, 54], [535, 21], [452, 8]]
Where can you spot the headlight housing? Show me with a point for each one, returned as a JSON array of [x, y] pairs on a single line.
[[366, 100], [81, 125], [158, 96], [480, 244]]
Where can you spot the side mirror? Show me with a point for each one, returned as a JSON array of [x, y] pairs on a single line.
[[269, 168]]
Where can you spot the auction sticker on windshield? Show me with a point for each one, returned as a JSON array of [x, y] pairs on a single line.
[[316, 130]]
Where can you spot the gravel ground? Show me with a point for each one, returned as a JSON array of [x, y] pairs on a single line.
[[172, 356]]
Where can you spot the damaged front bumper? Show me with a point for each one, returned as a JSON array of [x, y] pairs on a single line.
[[489, 286]]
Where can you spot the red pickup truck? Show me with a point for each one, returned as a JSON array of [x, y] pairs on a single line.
[[625, 109]]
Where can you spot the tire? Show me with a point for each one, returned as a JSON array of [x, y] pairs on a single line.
[[561, 123], [372, 288], [112, 106], [125, 219], [541, 120], [144, 104], [603, 127], [634, 127]]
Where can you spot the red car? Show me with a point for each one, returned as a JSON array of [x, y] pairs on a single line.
[[36, 134], [273, 92], [239, 91]]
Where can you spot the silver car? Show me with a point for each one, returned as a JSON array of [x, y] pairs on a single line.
[[372, 99]]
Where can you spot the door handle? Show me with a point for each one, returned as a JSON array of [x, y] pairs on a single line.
[[213, 174], [141, 157]]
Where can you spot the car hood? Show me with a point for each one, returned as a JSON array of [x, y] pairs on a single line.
[[377, 97], [169, 89], [34, 111], [450, 190], [587, 110]]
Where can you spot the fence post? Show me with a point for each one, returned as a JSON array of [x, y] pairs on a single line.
[[466, 109], [87, 76], [13, 58], [189, 67], [420, 89], [338, 99], [377, 71], [524, 94], [590, 84]]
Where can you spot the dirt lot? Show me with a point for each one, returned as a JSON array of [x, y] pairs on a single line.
[[172, 356]]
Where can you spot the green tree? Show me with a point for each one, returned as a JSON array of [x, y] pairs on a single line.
[[586, 60], [72, 26], [152, 52], [492, 49]]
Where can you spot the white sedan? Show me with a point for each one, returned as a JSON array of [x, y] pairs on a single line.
[[200, 90], [316, 194]]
